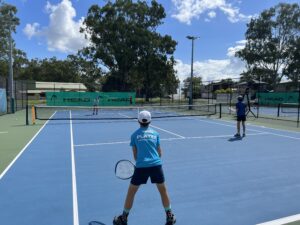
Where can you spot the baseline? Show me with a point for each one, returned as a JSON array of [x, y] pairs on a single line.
[[282, 221]]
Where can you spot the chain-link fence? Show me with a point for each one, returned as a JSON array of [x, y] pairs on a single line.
[[19, 100], [281, 103]]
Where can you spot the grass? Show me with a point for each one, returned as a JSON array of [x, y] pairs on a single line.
[[14, 135]]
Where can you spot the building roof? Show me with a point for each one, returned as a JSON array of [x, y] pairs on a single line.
[[60, 85]]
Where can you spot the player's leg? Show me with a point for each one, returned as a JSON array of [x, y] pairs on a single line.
[[164, 195], [139, 177], [130, 196], [166, 203], [122, 219], [238, 127], [157, 177], [244, 126]]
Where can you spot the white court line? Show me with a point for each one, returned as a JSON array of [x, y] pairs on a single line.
[[103, 143], [168, 131], [3, 132], [286, 136], [158, 128], [74, 186], [21, 152], [166, 139], [212, 122], [282, 221], [221, 136], [260, 126]]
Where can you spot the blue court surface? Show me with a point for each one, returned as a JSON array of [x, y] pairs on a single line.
[[65, 175]]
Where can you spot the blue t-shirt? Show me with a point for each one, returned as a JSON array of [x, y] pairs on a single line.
[[146, 140], [240, 109]]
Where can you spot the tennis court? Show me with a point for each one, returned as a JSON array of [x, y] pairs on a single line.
[[65, 174]]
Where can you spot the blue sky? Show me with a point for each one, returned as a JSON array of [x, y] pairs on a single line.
[[50, 28]]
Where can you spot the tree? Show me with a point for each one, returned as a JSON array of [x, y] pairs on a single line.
[[268, 36], [8, 23], [125, 41], [50, 70], [293, 69], [197, 83], [88, 71]]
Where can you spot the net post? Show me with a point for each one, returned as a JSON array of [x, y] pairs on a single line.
[[220, 110], [33, 114], [278, 110], [27, 121]]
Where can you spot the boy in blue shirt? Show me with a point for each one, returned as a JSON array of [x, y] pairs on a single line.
[[147, 152], [241, 116]]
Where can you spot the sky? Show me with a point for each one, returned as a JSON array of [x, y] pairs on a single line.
[[51, 29]]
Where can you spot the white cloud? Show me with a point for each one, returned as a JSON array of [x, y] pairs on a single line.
[[239, 46], [212, 14], [211, 69], [31, 30], [62, 34], [187, 10]]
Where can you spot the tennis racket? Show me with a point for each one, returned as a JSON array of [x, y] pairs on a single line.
[[124, 169], [96, 223]]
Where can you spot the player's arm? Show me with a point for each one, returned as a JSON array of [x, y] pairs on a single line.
[[246, 108], [236, 108], [134, 151], [159, 150]]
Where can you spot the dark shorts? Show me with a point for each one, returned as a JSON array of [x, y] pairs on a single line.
[[241, 118], [141, 175]]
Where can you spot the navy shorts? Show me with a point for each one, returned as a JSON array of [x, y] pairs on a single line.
[[141, 175], [241, 118]]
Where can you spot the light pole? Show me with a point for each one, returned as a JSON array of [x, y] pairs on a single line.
[[11, 76], [192, 62]]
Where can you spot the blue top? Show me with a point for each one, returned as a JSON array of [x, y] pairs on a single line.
[[240, 108], [146, 140]]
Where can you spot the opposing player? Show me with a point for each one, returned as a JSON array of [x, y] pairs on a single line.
[[96, 105], [241, 109], [147, 152]]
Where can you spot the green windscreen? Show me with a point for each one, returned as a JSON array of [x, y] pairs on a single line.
[[275, 98], [88, 98]]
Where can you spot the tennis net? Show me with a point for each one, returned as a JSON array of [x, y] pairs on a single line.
[[42, 112], [289, 107]]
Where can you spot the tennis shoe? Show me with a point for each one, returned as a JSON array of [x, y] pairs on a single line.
[[244, 135], [120, 220], [237, 135], [170, 218]]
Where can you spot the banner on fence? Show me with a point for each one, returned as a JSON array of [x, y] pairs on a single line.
[[275, 98], [90, 98], [3, 101]]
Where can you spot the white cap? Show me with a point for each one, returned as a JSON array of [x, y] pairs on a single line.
[[144, 117]]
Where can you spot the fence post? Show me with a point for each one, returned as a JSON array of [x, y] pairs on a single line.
[[27, 114], [298, 101]]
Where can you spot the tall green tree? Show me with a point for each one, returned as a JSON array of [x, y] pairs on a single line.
[[197, 84], [124, 39], [268, 38], [8, 24], [50, 70], [293, 69], [90, 74]]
